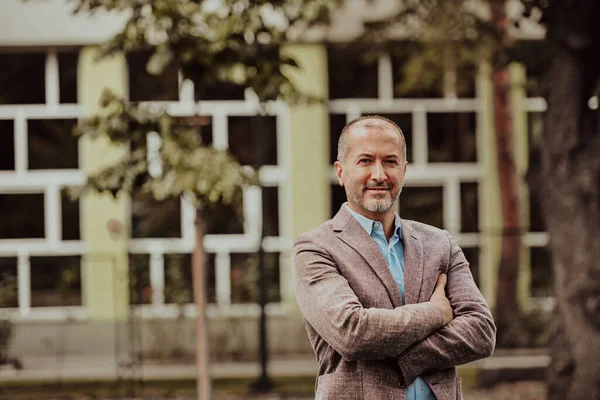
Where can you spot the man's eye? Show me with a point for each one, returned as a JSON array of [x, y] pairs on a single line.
[[364, 160], [394, 162]]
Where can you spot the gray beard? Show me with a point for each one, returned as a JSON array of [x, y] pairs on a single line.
[[378, 206]]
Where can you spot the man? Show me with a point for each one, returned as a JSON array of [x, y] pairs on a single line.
[[390, 305]]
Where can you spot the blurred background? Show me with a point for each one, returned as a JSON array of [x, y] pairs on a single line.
[[97, 294]]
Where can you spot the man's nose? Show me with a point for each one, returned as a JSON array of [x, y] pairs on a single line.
[[378, 173]]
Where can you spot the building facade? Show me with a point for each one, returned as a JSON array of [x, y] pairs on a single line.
[[81, 274]]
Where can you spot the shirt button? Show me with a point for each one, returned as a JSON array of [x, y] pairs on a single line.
[[400, 384]]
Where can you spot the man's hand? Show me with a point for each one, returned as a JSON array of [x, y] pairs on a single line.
[[439, 299]]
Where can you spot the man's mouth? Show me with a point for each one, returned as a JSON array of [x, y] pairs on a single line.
[[378, 188]]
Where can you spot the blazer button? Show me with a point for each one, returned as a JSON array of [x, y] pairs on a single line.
[[400, 384]]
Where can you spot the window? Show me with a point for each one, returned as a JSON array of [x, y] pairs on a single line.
[[253, 140], [155, 219], [350, 74], [8, 282], [338, 197], [270, 210], [423, 204], [22, 216], [70, 217], [140, 290], [218, 91], [244, 277], [222, 219], [469, 207], [146, 87], [451, 137], [67, 75], [55, 281], [178, 279], [541, 272], [430, 84], [7, 145], [51, 144], [472, 256], [23, 78], [336, 125]]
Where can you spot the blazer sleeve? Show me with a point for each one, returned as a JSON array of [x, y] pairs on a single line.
[[331, 307], [470, 336]]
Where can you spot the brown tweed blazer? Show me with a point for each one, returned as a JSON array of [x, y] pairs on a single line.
[[367, 343]]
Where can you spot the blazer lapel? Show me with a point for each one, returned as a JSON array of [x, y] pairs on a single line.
[[356, 237], [413, 263]]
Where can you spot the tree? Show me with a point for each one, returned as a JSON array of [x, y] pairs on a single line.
[[564, 177], [187, 168], [231, 42]]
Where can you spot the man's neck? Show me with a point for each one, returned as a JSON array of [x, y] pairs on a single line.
[[387, 218]]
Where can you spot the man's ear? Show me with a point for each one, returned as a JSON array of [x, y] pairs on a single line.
[[338, 172]]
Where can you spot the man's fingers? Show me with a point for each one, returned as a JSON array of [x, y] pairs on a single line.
[[441, 282]]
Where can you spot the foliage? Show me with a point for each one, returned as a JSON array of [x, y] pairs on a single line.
[[204, 174], [444, 41], [234, 41]]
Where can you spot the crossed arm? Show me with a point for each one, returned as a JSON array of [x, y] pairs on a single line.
[[410, 332], [470, 336]]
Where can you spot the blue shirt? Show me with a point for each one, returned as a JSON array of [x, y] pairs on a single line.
[[393, 252]]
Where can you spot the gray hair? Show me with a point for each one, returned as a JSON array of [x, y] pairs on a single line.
[[343, 143]]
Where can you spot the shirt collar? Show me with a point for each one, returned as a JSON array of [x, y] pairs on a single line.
[[367, 223]]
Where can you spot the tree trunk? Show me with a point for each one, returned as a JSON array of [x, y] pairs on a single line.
[[507, 316], [566, 179], [199, 287]]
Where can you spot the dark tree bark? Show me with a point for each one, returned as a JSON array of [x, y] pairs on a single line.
[[507, 316], [566, 179]]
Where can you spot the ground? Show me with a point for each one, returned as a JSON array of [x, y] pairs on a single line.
[[507, 391]]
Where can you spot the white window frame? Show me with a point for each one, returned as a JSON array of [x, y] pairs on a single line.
[[46, 182]]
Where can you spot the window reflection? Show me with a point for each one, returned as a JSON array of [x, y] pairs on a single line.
[[22, 216], [451, 137], [70, 217], [253, 140], [51, 144], [146, 87], [472, 256], [67, 75], [423, 204], [23, 78], [338, 197], [151, 218], [270, 210], [469, 207], [351, 75], [140, 290], [7, 145], [8, 282], [245, 274], [55, 281], [541, 272]]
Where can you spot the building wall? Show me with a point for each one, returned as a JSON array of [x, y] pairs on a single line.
[[90, 247]]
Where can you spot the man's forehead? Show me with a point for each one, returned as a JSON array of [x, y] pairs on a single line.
[[366, 126]]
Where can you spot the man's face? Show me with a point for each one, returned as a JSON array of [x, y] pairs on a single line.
[[373, 169]]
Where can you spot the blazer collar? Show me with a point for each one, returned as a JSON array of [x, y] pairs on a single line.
[[351, 232], [413, 262]]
